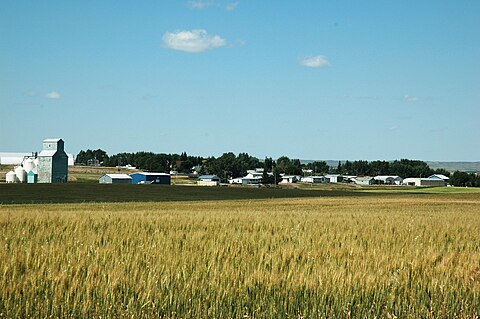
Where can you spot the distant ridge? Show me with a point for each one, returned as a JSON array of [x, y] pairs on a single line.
[[469, 167]]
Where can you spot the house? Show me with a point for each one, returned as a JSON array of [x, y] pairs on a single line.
[[388, 180], [365, 180], [115, 179], [424, 182], [334, 178], [150, 178], [314, 179], [208, 180]]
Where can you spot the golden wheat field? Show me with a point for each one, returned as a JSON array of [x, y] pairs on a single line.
[[406, 256]]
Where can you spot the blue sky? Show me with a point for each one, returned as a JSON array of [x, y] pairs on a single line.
[[358, 80]]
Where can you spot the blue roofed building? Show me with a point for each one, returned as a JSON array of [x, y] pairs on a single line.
[[150, 178]]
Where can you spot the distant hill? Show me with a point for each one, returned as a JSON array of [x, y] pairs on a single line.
[[470, 167]]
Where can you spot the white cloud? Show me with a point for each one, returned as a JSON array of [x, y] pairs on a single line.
[[231, 6], [200, 4], [192, 41], [410, 98], [53, 95], [31, 93], [318, 61]]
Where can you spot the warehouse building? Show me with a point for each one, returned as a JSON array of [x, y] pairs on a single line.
[[150, 178], [424, 182], [115, 179]]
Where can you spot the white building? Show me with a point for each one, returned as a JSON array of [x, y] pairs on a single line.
[[208, 180], [7, 158], [314, 179], [416, 181], [287, 179], [364, 180], [334, 178]]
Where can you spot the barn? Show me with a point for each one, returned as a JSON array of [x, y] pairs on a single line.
[[424, 182], [208, 180], [150, 178], [115, 179]]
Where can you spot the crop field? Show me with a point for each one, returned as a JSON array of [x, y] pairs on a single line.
[[384, 256]]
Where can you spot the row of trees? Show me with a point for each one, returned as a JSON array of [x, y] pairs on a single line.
[[465, 179], [403, 168], [230, 165]]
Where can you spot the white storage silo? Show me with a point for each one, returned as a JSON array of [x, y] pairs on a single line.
[[11, 177], [21, 174], [28, 165]]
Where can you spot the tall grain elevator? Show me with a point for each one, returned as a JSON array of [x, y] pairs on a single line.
[[52, 162]]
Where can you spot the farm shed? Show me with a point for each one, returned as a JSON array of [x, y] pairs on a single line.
[[115, 179], [366, 180], [388, 180], [208, 180], [333, 178], [286, 179], [150, 178], [314, 179], [424, 182]]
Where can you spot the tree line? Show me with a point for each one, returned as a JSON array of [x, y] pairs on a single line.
[[229, 165]]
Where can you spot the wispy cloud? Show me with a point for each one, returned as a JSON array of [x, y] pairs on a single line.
[[192, 41], [410, 98], [318, 61], [231, 6], [31, 93], [201, 4], [53, 95]]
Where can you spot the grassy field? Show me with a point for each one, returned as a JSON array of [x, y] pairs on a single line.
[[406, 256]]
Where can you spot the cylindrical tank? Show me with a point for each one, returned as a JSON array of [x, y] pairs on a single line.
[[11, 177], [21, 174], [28, 165]]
